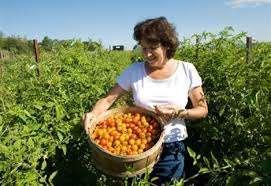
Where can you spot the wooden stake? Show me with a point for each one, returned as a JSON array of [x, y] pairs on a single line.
[[248, 48], [36, 51]]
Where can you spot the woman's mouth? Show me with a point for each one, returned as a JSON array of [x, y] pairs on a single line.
[[151, 60]]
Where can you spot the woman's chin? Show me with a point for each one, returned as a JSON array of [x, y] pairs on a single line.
[[155, 66], [153, 63]]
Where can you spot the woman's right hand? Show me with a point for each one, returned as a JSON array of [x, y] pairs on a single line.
[[87, 120]]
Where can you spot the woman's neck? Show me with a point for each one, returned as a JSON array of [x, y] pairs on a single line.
[[166, 64], [161, 73]]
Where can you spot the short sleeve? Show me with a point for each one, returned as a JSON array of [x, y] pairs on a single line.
[[195, 79], [124, 79]]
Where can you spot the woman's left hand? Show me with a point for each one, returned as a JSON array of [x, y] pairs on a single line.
[[167, 109], [168, 112]]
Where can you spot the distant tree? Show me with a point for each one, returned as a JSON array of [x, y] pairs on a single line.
[[92, 45], [1, 39], [16, 45], [47, 43]]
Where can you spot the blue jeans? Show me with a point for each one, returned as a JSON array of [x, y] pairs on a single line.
[[170, 166]]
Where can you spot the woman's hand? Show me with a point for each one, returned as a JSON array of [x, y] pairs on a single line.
[[166, 109], [169, 111], [87, 120], [101, 106]]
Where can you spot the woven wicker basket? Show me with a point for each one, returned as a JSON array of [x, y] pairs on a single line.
[[124, 165]]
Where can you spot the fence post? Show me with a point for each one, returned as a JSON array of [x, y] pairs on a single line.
[[36, 51], [1, 65], [248, 48], [197, 47]]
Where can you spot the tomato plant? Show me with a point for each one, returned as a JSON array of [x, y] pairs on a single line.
[[42, 141]]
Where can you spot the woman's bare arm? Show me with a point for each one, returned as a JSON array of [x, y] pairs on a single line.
[[102, 105], [200, 108]]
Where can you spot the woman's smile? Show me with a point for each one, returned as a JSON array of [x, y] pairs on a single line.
[[154, 55]]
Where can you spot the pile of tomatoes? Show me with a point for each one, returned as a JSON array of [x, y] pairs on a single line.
[[127, 133]]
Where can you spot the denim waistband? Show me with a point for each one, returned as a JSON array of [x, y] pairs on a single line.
[[174, 147]]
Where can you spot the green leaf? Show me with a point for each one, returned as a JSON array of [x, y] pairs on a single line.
[[44, 164], [222, 110], [50, 104], [191, 153], [4, 149], [229, 163], [59, 135], [59, 112], [39, 107], [64, 149], [207, 162], [203, 170], [4, 165], [27, 113], [52, 177], [237, 161], [30, 143], [216, 165], [154, 178], [43, 179], [255, 180], [249, 173]]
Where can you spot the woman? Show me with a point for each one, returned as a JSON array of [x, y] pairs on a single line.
[[161, 84]]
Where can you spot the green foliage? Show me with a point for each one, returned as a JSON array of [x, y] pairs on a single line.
[[40, 116], [42, 141], [16, 45], [238, 94], [93, 45], [47, 43]]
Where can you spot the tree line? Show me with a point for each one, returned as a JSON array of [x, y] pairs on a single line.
[[21, 45]]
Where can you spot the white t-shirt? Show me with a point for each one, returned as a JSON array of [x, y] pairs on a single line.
[[148, 92]]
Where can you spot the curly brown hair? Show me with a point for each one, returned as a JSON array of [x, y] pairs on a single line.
[[157, 31]]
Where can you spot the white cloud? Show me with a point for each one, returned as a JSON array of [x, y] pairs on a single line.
[[242, 3]]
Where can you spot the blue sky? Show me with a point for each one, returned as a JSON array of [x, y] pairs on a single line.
[[112, 22]]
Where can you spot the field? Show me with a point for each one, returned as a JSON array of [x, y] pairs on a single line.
[[42, 141]]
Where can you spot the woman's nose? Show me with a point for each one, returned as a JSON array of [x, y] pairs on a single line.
[[147, 53]]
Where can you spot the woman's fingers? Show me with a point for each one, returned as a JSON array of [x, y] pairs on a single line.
[[168, 111], [170, 107], [86, 123], [158, 110], [87, 118], [83, 120], [163, 112], [165, 109]]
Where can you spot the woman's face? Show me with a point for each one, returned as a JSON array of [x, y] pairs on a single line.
[[154, 55]]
